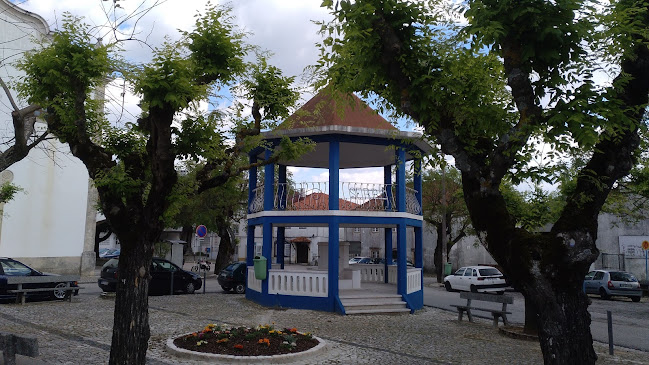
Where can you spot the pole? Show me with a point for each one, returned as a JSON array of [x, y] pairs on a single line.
[[646, 268], [610, 332], [444, 237], [204, 280]]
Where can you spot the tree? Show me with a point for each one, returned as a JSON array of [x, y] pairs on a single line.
[[134, 169], [489, 92], [448, 201], [218, 209]]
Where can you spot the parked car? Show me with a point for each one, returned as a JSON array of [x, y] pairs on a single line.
[[162, 272], [357, 260], [112, 253], [608, 283], [484, 279], [233, 277], [11, 267]]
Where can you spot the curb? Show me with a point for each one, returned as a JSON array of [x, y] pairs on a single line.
[[229, 359]]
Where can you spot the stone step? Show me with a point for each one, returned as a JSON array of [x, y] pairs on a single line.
[[371, 301], [377, 311], [368, 296], [390, 306]]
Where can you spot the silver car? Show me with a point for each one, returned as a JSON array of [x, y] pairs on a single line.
[[608, 283]]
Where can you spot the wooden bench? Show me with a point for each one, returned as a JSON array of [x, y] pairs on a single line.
[[12, 345], [493, 298], [21, 292]]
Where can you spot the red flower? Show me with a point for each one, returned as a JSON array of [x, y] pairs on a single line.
[[293, 330], [238, 346]]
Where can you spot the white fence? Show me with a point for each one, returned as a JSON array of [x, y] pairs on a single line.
[[253, 283], [307, 284], [371, 273]]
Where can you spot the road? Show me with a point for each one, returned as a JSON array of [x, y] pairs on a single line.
[[630, 320]]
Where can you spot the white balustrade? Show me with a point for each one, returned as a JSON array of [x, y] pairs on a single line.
[[301, 283], [371, 273], [412, 204], [392, 274], [413, 280], [257, 203], [253, 283]]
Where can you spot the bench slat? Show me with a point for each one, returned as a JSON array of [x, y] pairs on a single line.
[[32, 290], [41, 279]]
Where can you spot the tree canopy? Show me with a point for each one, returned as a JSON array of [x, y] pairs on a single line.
[[490, 81]]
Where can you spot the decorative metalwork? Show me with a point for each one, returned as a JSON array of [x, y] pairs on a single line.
[[412, 204], [353, 196], [257, 203]]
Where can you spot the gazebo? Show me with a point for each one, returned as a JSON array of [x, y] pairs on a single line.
[[348, 134]]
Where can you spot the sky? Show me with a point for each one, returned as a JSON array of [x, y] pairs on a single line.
[[283, 27]]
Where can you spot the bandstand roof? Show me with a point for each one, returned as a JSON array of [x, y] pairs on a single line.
[[365, 136]]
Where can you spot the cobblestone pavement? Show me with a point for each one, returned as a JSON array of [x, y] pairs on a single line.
[[80, 332]]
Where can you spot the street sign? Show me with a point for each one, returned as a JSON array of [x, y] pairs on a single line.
[[201, 231], [645, 245]]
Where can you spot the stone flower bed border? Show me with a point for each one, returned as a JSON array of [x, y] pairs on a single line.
[[275, 359]]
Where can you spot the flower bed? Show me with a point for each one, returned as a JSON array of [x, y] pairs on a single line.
[[242, 341]]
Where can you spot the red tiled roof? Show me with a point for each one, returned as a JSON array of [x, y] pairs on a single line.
[[319, 201], [325, 109], [300, 240]]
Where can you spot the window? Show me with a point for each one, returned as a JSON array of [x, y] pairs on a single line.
[[14, 268], [599, 275], [468, 272]]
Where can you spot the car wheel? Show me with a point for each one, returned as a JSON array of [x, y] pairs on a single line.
[[448, 286], [225, 289], [240, 288], [635, 299], [190, 288], [474, 289], [60, 292], [603, 294]]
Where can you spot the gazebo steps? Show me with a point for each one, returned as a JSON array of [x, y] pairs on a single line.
[[373, 304]]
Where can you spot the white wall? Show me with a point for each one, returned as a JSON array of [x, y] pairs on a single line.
[[48, 218]]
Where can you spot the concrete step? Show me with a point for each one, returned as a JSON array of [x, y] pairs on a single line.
[[377, 311], [371, 301], [368, 296], [375, 306]]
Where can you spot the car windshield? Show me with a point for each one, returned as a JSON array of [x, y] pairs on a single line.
[[622, 276], [232, 267], [111, 263], [489, 272], [14, 268]]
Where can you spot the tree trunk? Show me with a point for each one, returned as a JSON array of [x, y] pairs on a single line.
[[564, 325], [186, 235], [437, 258], [131, 318], [226, 249]]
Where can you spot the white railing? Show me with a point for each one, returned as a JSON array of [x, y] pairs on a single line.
[[371, 273], [302, 196], [353, 196], [253, 283], [412, 204], [413, 280], [307, 284], [392, 274], [367, 196], [257, 203]]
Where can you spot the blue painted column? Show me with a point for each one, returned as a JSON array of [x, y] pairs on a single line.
[[401, 179], [269, 181], [387, 180], [419, 252], [402, 270], [281, 197], [282, 189], [281, 237], [417, 181], [333, 264], [250, 246], [267, 252], [252, 181], [334, 175], [388, 251]]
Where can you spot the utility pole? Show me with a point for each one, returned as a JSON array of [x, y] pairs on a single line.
[[444, 237]]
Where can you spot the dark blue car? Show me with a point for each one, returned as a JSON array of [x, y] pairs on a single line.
[[11, 268]]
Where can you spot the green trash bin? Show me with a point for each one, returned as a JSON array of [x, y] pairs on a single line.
[[260, 267], [448, 267]]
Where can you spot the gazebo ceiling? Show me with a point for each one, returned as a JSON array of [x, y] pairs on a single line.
[[366, 139]]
